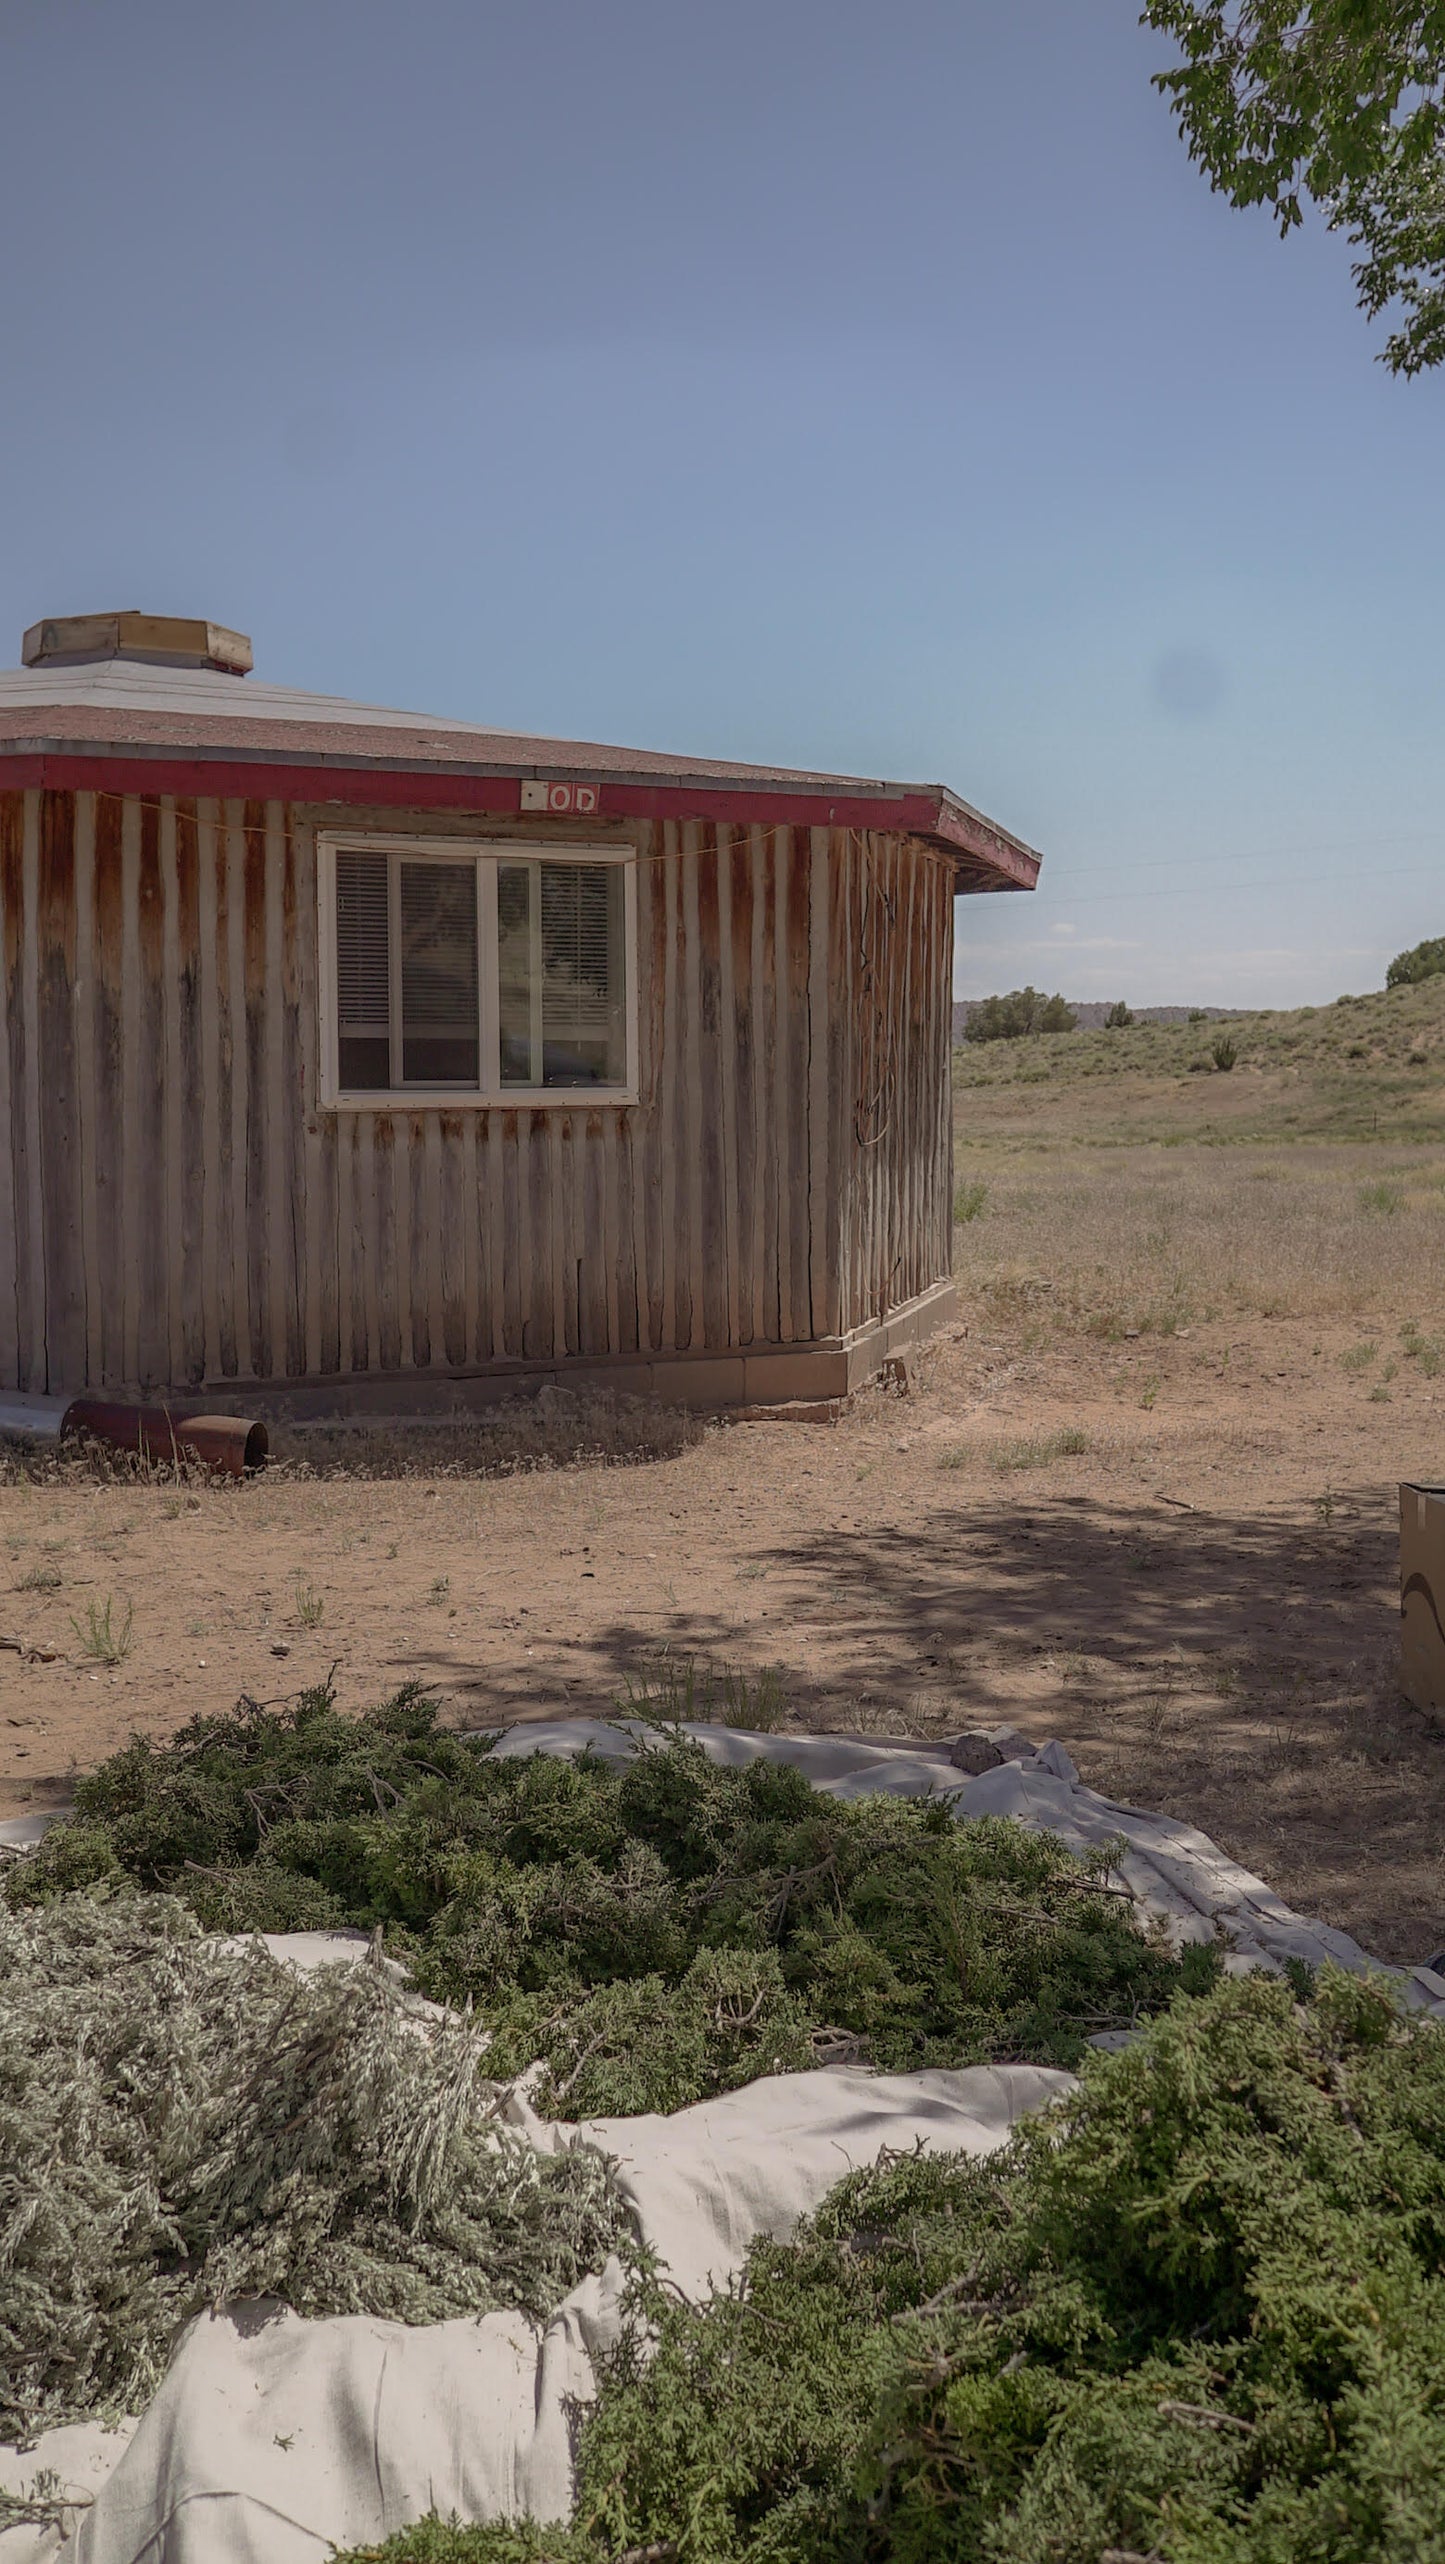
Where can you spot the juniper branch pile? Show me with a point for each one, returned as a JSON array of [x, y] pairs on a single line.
[[182, 2125], [655, 1932], [1196, 2316]]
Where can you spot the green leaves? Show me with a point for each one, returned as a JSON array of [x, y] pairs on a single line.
[[650, 1933], [1336, 102]]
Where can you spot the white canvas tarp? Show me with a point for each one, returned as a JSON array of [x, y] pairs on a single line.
[[272, 2438]]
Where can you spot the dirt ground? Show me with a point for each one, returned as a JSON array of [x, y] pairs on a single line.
[[1198, 1596]]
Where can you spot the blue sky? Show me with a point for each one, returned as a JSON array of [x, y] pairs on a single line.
[[874, 388]]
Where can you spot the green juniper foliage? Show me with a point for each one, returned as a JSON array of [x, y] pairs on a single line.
[[653, 1932], [1422, 961], [1022, 1011], [182, 2124], [1196, 2313]]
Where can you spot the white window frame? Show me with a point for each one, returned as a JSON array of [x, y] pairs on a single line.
[[485, 853]]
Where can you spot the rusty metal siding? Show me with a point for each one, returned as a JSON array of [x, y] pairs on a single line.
[[176, 1211]]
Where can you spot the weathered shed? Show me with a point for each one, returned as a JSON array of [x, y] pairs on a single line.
[[362, 1060]]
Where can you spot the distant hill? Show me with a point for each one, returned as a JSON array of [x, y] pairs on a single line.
[[1091, 1012], [1370, 1068]]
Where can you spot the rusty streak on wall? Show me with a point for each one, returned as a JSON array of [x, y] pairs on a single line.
[[176, 1210]]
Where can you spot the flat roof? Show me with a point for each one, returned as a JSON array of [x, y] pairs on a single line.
[[134, 726]]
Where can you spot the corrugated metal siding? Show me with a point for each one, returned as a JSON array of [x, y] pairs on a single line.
[[174, 1210]]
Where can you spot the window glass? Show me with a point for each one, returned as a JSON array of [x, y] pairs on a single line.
[[439, 1029], [410, 1006], [363, 971], [562, 974]]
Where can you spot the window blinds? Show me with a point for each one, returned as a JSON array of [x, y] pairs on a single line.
[[410, 1004]]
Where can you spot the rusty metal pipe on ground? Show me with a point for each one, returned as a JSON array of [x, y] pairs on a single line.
[[237, 1444]]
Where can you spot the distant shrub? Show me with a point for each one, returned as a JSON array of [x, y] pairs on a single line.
[[968, 1202], [1022, 1011], [1197, 1015], [1383, 1197], [1422, 961], [1119, 1017], [1224, 1052]]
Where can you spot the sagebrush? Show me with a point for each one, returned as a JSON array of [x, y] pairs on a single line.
[[182, 2124]]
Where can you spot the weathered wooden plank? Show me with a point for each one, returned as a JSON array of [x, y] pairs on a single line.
[[800, 1083], [540, 1334], [324, 1292], [839, 1037], [512, 1210], [744, 1152], [172, 1094], [373, 1238], [413, 1277], [31, 1165], [492, 1239], [562, 1230], [457, 1229], [58, 1100], [677, 1328], [727, 1086], [383, 1187], [605, 1160], [84, 1037], [208, 1029], [444, 1205], [765, 1047], [429, 1286], [236, 1269], [710, 1240], [147, 1173], [699, 1191], [822, 1181], [265, 1359], [185, 1142], [475, 1239], [11, 1218], [276, 1207], [127, 996], [646, 1127]]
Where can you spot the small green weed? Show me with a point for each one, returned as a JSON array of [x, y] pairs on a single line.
[[310, 1607], [102, 1636], [1383, 1198], [1150, 1390], [968, 1202], [1359, 1357], [42, 1578], [1027, 1451], [676, 1691]]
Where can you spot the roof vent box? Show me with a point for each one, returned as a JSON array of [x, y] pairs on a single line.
[[162, 640]]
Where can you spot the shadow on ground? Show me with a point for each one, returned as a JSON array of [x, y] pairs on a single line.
[[1238, 1671]]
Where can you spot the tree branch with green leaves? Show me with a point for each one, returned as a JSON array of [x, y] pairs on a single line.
[[1338, 102]]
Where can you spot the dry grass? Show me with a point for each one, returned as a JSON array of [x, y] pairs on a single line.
[[1150, 1240]]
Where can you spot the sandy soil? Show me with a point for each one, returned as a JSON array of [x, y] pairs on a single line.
[[1201, 1603]]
